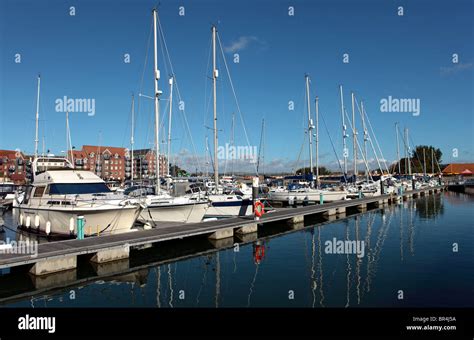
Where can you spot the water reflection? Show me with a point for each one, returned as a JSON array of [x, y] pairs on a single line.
[[398, 251], [430, 207]]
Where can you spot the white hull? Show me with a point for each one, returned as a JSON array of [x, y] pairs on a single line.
[[222, 207], [185, 213], [301, 196], [63, 220]]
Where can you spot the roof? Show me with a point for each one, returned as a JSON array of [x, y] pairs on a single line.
[[10, 154], [78, 154], [142, 152], [458, 168], [112, 149], [67, 176]]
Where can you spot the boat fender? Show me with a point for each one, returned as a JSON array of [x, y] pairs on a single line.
[[71, 225], [28, 221], [48, 227], [37, 221]]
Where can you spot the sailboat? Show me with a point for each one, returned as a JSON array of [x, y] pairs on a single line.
[[301, 193], [159, 205], [59, 196], [223, 205]]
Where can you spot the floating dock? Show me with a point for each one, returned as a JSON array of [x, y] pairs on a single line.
[[60, 256]]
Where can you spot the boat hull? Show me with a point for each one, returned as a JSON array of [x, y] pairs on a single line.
[[63, 221], [223, 209], [184, 213], [300, 197]]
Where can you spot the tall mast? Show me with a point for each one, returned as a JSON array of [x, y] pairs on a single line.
[[407, 148], [169, 125], [98, 163], [398, 150], [424, 162], [366, 138], [157, 104], [317, 140], [344, 134], [207, 157], [132, 141], [261, 147], [37, 117], [233, 140], [68, 139], [67, 135], [43, 147], [215, 74], [432, 161], [354, 137], [310, 126]]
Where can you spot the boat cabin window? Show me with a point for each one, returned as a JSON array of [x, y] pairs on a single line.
[[77, 188], [8, 188], [39, 191]]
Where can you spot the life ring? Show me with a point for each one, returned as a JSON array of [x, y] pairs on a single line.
[[259, 209]]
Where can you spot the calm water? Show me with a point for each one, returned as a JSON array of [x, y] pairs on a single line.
[[408, 247]]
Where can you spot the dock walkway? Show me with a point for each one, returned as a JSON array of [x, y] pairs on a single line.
[[62, 255]]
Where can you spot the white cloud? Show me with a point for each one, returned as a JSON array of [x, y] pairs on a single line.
[[241, 44], [447, 71]]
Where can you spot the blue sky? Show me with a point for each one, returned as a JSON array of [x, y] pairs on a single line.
[[82, 56]]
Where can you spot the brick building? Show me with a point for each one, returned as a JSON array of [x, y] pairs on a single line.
[[145, 164], [12, 166], [114, 163]]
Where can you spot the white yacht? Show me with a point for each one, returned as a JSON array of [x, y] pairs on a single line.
[[366, 188], [231, 205], [163, 207], [159, 205], [7, 193], [59, 195], [299, 193], [228, 201]]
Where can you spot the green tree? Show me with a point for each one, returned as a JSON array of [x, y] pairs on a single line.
[[431, 157], [322, 171]]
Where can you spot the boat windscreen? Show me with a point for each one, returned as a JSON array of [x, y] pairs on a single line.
[[77, 188]]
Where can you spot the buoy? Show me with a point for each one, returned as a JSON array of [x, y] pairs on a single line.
[[71, 225], [28, 221], [259, 209], [37, 221], [48, 228]]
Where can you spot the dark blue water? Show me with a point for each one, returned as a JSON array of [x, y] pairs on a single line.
[[417, 254]]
